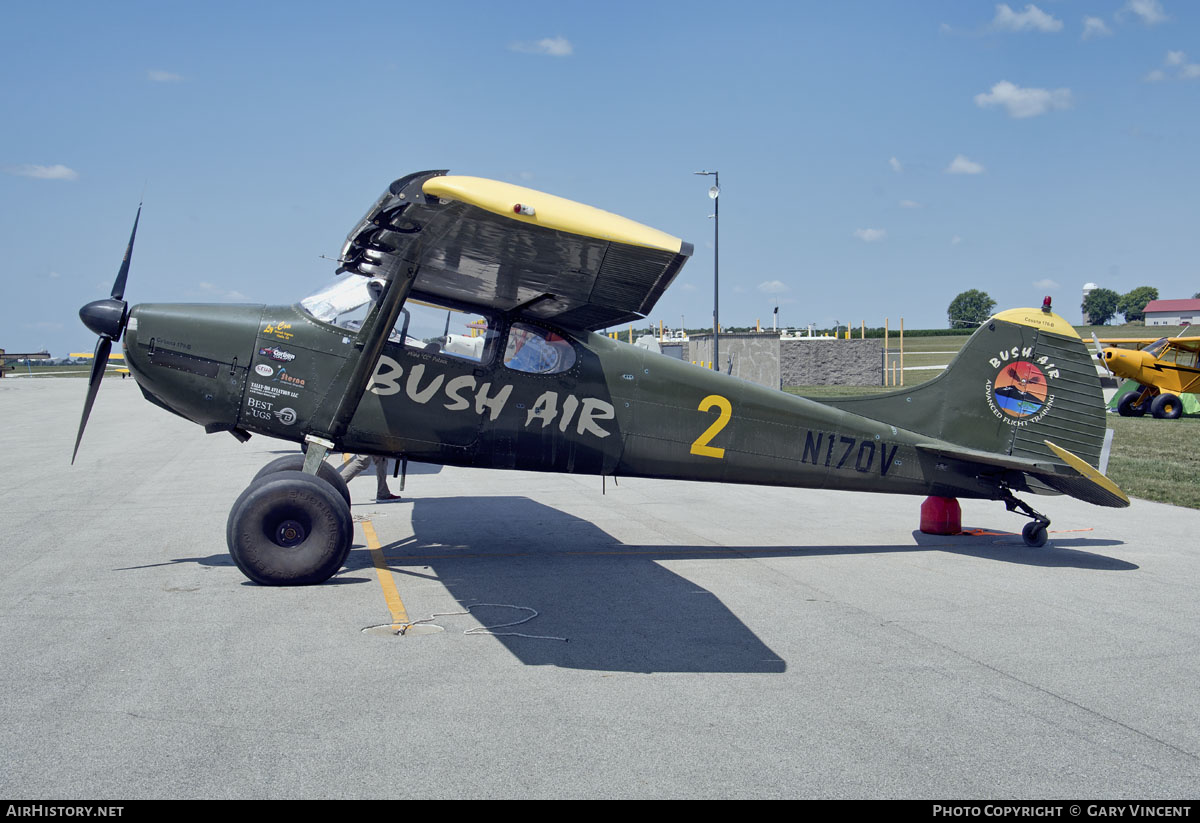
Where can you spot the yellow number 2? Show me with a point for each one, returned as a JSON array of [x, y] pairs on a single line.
[[701, 446]]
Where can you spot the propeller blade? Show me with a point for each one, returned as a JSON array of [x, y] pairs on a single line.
[[99, 363], [1100, 353], [118, 292]]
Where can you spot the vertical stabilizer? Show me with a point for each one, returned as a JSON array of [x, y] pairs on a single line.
[[1023, 377]]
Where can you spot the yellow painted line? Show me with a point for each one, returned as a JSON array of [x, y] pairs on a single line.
[[386, 581]]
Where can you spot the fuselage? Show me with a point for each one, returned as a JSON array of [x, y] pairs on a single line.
[[616, 409], [1163, 372]]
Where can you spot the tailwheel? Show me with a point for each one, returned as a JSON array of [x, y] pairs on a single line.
[[1034, 534], [289, 528]]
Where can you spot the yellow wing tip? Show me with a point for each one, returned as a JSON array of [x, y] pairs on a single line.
[[549, 211]]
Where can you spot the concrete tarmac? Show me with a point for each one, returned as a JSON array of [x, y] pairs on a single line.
[[680, 639]]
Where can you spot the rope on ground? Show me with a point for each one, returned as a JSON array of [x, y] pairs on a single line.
[[489, 629]]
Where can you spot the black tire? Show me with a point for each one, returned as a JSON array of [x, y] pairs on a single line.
[[295, 463], [1166, 407], [1126, 405], [289, 529], [1034, 534]]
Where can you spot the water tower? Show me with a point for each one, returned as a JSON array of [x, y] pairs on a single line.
[[1087, 289]]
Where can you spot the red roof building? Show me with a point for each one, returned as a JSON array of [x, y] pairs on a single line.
[[1172, 312]]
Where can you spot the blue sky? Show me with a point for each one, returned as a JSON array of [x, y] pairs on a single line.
[[876, 158]]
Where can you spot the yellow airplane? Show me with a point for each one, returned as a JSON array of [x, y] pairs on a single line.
[[121, 370], [1161, 371]]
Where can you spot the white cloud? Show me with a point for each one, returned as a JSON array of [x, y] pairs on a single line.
[[870, 235], [773, 287], [1032, 19], [160, 76], [57, 172], [53, 275], [955, 240], [909, 204], [1021, 102], [895, 164], [1175, 58], [1190, 72], [1150, 11], [1156, 76], [961, 165], [549, 46], [1095, 27], [1047, 283]]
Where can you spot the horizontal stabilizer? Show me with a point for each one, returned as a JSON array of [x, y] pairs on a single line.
[[1073, 477]]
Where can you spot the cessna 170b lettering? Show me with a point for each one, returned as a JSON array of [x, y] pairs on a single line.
[[377, 363]]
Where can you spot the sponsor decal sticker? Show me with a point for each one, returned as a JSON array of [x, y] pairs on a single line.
[[271, 390], [277, 354], [288, 379], [280, 330], [264, 370]]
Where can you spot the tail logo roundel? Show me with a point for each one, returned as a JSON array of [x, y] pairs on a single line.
[[1020, 389]]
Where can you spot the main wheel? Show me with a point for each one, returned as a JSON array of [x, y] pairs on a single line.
[[1166, 407], [289, 528], [295, 463], [1034, 534], [1127, 405]]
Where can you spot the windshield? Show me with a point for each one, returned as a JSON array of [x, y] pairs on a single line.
[[341, 300], [346, 300]]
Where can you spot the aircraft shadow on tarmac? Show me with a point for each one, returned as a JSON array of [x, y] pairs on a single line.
[[618, 606], [621, 609]]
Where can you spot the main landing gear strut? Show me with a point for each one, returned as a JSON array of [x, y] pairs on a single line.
[[1034, 534]]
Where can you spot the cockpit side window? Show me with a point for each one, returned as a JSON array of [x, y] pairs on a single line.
[[536, 350], [446, 331]]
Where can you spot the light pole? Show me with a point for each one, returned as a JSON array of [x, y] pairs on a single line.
[[714, 193]]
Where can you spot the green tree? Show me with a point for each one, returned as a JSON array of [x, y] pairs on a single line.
[[970, 309], [1101, 305], [1133, 305]]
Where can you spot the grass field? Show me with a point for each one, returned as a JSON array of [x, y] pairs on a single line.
[[1157, 459], [42, 372]]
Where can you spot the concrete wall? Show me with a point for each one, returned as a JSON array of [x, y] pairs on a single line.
[[765, 359], [831, 362], [753, 356]]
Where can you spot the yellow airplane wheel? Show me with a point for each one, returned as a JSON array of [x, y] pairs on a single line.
[[1166, 407]]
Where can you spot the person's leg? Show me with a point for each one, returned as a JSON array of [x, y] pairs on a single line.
[[382, 492], [351, 470]]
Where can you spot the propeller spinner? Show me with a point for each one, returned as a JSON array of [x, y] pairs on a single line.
[[107, 318]]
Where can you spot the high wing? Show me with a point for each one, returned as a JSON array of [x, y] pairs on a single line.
[[483, 242], [1143, 343]]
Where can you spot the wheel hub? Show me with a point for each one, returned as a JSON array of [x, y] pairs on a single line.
[[290, 533]]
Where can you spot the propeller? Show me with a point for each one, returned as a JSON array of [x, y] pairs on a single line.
[[107, 319], [1100, 354]]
